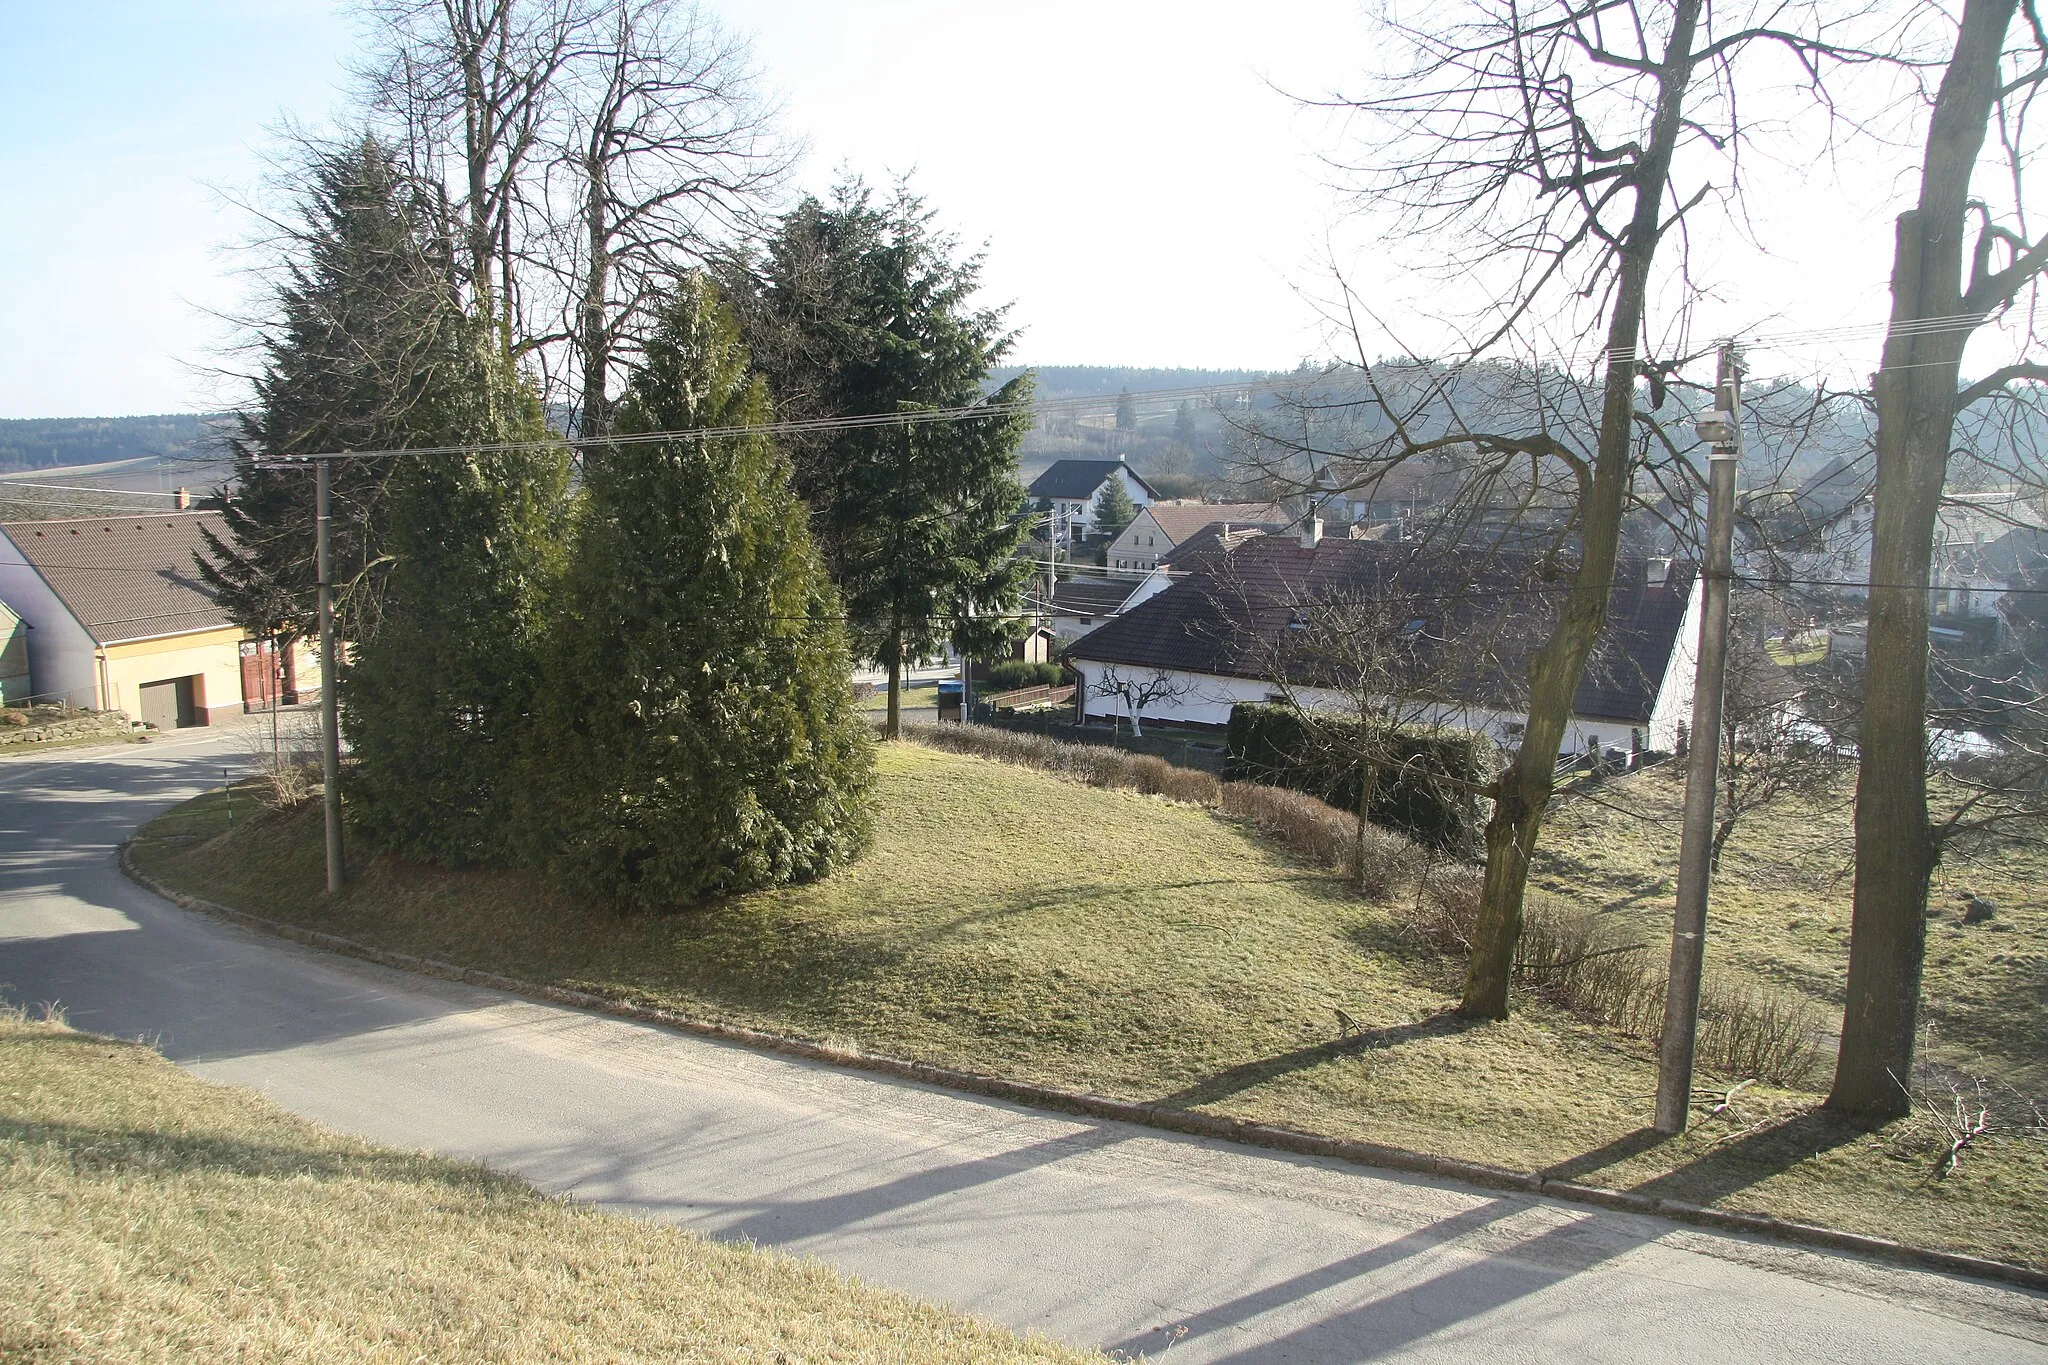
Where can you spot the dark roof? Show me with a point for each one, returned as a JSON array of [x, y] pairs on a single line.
[[125, 578], [1090, 596], [1080, 478], [1476, 620]]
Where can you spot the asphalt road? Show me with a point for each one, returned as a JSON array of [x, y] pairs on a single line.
[[1098, 1233]]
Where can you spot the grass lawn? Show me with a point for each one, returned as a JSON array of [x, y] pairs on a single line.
[[1013, 923], [152, 1216], [924, 695]]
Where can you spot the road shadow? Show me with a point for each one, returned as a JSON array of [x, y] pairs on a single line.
[[1250, 1075], [1723, 1169]]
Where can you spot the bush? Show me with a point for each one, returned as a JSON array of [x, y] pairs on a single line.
[[1590, 966], [1275, 745], [1012, 674]]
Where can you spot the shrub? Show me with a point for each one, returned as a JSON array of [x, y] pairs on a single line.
[[1588, 964], [1012, 674], [1276, 745]]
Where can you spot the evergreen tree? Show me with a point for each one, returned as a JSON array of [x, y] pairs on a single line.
[[436, 700], [1114, 510], [865, 311], [359, 341], [1184, 422], [1126, 411], [700, 736]]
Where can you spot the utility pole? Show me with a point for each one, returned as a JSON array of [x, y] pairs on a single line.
[[330, 693], [1722, 430]]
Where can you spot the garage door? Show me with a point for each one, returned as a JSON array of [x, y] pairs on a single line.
[[168, 704]]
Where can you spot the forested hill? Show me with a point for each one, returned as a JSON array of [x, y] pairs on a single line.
[[48, 442], [1100, 381]]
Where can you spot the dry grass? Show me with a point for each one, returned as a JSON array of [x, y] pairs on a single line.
[[1779, 920], [1611, 972], [153, 1217], [1013, 924]]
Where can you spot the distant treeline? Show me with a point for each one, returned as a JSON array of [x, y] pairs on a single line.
[[1098, 381], [49, 442]]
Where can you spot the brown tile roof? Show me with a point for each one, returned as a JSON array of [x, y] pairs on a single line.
[[1090, 596], [1179, 520], [124, 578], [1477, 619]]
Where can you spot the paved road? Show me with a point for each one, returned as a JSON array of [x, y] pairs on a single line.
[[1101, 1234]]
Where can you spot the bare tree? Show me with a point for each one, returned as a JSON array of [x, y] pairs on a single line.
[[1137, 692], [1546, 141], [1770, 750], [1939, 300], [662, 152], [467, 87]]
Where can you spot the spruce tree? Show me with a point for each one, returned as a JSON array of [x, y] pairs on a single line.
[[358, 340], [436, 700], [700, 734], [865, 311], [1114, 510]]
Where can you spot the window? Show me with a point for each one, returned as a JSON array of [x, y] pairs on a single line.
[[1413, 628]]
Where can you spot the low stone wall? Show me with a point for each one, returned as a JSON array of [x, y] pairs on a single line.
[[20, 726]]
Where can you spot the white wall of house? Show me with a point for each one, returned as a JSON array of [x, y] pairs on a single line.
[[1206, 699], [1673, 706], [1140, 544], [60, 653], [1077, 515]]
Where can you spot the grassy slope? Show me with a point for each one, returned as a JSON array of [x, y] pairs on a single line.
[[151, 1216], [1010, 922], [1780, 915]]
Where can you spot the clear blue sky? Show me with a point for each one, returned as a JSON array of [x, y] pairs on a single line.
[[1145, 196]]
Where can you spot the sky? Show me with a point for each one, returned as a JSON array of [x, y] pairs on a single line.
[[1146, 190]]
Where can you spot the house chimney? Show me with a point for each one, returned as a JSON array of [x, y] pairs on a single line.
[[181, 499], [1312, 529]]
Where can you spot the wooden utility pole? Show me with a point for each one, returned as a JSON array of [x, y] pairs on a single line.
[[1722, 429], [330, 693]]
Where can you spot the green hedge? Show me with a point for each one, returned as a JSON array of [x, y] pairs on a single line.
[[1012, 674], [1274, 745]]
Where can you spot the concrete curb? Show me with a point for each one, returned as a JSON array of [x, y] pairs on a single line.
[[1350, 1150]]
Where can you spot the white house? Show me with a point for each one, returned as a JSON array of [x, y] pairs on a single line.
[[1073, 489], [1210, 637], [1159, 529]]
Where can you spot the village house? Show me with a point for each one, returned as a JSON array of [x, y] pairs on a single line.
[[1072, 491], [1159, 529], [119, 620], [1209, 639]]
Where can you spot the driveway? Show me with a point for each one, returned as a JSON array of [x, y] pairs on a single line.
[[1098, 1233]]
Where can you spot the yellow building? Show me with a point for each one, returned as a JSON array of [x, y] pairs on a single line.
[[119, 620]]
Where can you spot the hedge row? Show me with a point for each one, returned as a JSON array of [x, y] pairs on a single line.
[[1424, 788]]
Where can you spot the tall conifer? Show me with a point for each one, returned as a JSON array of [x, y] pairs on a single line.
[[357, 342], [436, 701], [701, 735]]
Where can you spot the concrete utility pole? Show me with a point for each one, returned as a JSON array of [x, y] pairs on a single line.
[[330, 694], [1722, 430]]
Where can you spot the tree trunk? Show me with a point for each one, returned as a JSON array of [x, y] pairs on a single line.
[[594, 340], [1916, 400], [1524, 789], [893, 729], [1368, 779]]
